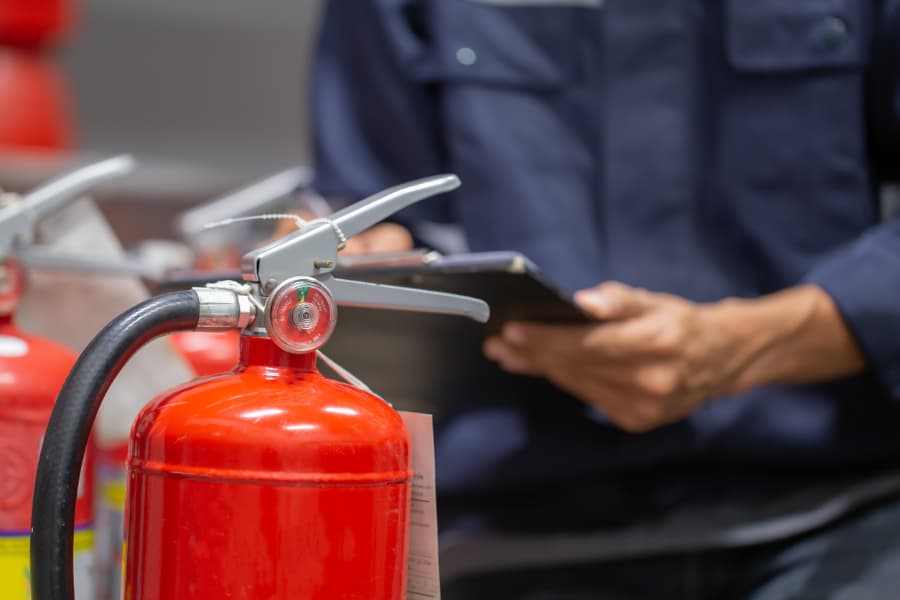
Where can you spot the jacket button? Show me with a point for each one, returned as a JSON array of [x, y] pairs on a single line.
[[833, 33], [466, 57]]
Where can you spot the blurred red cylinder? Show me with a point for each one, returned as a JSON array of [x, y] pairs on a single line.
[[208, 352], [34, 22], [34, 103], [32, 371]]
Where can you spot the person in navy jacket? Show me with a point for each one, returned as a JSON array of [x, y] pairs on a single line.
[[706, 176]]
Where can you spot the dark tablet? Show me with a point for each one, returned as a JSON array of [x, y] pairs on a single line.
[[509, 282], [434, 363]]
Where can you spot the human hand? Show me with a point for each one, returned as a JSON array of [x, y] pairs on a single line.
[[654, 358], [380, 239]]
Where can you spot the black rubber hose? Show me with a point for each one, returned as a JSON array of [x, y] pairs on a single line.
[[56, 484]]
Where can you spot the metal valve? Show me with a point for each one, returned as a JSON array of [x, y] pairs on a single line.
[[311, 252], [290, 284]]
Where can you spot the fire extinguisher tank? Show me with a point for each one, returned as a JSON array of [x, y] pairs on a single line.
[[269, 482], [33, 370]]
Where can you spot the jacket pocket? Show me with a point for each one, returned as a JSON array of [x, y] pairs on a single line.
[[519, 44], [770, 36]]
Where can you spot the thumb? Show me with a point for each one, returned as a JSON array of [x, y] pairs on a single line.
[[614, 300]]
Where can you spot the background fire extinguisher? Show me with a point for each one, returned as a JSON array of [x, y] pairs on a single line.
[[268, 482], [32, 371], [33, 94], [30, 23]]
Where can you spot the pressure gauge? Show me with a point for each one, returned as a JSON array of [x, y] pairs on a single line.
[[300, 315]]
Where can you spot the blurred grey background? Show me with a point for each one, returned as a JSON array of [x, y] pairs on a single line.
[[208, 94], [217, 83]]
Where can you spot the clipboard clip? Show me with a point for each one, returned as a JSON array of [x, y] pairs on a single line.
[[310, 254]]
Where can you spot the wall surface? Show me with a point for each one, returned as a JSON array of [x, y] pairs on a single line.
[[219, 82], [208, 94]]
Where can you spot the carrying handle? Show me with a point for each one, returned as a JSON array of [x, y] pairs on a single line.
[[312, 249], [312, 252], [391, 297], [19, 217], [57, 192], [358, 217]]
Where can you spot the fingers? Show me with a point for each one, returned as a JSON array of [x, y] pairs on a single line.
[[646, 375], [383, 238], [286, 226], [387, 237], [510, 358], [629, 410], [355, 245], [614, 300], [617, 341], [636, 397], [648, 363], [564, 341]]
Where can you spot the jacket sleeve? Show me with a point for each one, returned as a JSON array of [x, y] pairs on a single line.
[[374, 115], [863, 278]]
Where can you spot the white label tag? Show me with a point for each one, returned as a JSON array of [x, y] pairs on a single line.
[[423, 579]]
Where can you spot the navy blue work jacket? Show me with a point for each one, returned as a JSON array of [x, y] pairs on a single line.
[[707, 148]]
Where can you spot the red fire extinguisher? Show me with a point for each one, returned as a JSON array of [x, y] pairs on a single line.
[[32, 23], [33, 93], [269, 482], [35, 102], [32, 371]]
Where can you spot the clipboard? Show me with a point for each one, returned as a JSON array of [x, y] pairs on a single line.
[[509, 282], [434, 363]]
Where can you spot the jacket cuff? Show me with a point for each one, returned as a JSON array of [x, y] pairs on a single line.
[[863, 279]]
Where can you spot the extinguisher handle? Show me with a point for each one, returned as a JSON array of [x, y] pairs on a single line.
[[312, 250], [19, 216], [361, 215], [391, 297]]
